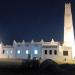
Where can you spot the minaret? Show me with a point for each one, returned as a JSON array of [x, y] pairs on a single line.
[[68, 27]]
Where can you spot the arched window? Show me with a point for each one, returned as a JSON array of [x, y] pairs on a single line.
[[65, 53], [45, 51], [50, 52], [27, 52], [18, 51], [3, 51], [35, 51], [55, 52]]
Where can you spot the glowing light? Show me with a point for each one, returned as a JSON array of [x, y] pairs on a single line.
[[35, 51], [26, 51], [73, 51], [69, 41], [7, 52], [18, 52], [0, 45], [11, 51], [68, 29]]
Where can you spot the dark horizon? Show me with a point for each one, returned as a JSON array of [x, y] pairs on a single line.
[[27, 20]]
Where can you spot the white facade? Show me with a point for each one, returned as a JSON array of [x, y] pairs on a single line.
[[42, 50], [37, 50]]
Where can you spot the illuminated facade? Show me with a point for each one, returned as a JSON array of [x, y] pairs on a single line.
[[44, 50], [68, 29]]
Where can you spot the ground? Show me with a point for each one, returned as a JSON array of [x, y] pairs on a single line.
[[34, 68]]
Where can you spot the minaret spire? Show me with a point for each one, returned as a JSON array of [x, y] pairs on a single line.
[[68, 27]]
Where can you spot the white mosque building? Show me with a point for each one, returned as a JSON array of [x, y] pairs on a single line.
[[60, 53]]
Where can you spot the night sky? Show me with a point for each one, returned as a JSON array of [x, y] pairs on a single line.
[[28, 19]]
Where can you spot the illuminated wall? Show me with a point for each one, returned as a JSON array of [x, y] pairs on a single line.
[[28, 50], [68, 28]]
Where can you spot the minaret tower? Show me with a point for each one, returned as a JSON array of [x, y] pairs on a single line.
[[68, 27]]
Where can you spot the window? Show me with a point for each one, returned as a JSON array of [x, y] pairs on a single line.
[[3, 51], [18, 52], [65, 53], [0, 45], [7, 52], [35, 51], [11, 51], [45, 51], [50, 51], [26, 51], [55, 52]]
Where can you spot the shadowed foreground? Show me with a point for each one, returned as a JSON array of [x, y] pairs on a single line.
[[34, 68]]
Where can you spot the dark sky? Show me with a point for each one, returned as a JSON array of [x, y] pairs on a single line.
[[28, 19]]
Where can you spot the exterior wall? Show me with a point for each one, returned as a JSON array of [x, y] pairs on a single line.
[[40, 47], [69, 57], [2, 56], [9, 52], [37, 47], [65, 58], [31, 48], [50, 56], [22, 48], [27, 47]]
